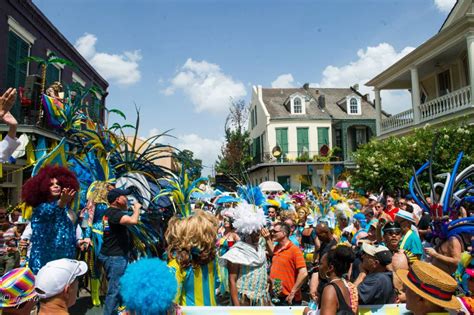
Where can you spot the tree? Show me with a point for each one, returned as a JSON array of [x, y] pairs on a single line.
[[389, 163], [192, 166], [235, 156]]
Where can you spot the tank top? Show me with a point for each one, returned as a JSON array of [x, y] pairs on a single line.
[[343, 309]]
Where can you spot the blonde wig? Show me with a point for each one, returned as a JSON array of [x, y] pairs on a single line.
[[192, 240]]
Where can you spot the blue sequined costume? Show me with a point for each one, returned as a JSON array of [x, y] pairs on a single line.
[[53, 235]]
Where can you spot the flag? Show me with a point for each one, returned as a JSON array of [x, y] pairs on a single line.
[[41, 149], [56, 157], [30, 154], [54, 111]]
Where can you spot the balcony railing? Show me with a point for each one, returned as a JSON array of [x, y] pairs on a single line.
[[294, 156], [436, 108], [446, 104], [398, 121]]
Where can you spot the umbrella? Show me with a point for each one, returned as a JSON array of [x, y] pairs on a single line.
[[342, 184], [271, 186]]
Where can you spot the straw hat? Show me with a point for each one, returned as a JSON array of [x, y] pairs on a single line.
[[431, 283]]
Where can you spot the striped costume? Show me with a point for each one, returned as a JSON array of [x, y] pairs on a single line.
[[196, 286]]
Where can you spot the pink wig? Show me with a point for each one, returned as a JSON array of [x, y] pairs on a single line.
[[36, 189]]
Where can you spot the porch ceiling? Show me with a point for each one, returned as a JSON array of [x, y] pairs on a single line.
[[435, 63], [440, 50]]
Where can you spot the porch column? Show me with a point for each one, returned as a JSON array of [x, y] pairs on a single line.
[[415, 95], [378, 110], [470, 56]]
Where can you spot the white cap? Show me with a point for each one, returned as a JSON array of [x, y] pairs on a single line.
[[372, 197], [53, 277], [405, 215]]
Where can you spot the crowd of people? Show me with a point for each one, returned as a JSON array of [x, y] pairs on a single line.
[[330, 251]]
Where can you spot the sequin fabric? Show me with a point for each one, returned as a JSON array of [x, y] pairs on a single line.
[[53, 235]]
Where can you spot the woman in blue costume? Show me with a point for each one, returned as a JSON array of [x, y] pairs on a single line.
[[50, 193], [93, 233]]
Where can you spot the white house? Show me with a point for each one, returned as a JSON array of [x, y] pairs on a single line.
[[305, 124]]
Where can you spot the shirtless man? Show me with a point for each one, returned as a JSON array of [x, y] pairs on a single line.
[[392, 234], [447, 255]]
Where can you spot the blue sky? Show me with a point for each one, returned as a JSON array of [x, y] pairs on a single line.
[[181, 61]]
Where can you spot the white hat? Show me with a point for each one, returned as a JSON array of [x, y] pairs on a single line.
[[405, 215], [372, 197], [53, 277], [381, 253]]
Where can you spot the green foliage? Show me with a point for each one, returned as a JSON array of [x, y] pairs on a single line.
[[389, 163], [192, 166], [235, 156]]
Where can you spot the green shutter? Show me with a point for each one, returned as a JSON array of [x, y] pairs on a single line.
[[302, 139], [323, 136], [16, 72], [282, 139]]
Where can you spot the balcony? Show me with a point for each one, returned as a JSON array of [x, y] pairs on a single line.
[[432, 111], [295, 157]]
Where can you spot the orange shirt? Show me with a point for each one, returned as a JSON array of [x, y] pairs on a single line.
[[286, 262]]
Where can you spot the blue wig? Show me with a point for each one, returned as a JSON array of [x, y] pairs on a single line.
[[148, 286]]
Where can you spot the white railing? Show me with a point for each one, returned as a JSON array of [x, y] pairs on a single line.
[[446, 104], [397, 121]]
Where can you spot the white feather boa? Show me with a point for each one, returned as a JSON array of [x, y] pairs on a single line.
[[248, 218]]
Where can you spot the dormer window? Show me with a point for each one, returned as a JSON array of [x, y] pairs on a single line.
[[297, 107], [353, 105], [354, 108]]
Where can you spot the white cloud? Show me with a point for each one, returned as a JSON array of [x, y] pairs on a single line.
[[208, 88], [122, 69], [204, 149], [284, 81], [371, 61], [444, 5]]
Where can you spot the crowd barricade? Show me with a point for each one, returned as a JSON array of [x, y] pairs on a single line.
[[388, 309]]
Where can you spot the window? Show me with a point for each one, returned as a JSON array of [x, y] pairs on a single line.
[[284, 181], [323, 137], [444, 83], [282, 139], [302, 138], [252, 123], [297, 107], [354, 106], [361, 136], [257, 150], [18, 49]]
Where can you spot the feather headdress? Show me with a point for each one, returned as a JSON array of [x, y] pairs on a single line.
[[248, 218]]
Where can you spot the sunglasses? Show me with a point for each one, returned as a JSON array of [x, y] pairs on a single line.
[[393, 232]]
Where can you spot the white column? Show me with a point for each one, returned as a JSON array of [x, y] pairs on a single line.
[[415, 95], [378, 110], [470, 56]]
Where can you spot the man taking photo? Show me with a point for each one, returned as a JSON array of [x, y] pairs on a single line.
[[116, 247]]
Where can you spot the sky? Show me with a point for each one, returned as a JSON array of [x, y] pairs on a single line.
[[181, 62]]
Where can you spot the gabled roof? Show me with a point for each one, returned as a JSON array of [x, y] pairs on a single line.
[[457, 11], [274, 100]]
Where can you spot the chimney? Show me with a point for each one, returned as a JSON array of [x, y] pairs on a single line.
[[356, 86], [322, 101], [306, 86]]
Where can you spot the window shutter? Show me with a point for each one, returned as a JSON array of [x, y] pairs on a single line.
[[323, 136], [16, 73]]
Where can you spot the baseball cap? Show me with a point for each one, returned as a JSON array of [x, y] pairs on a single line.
[[115, 193], [381, 253], [372, 197], [53, 277], [405, 215], [392, 226]]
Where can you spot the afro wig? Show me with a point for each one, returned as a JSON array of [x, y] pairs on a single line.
[[148, 287], [35, 191]]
